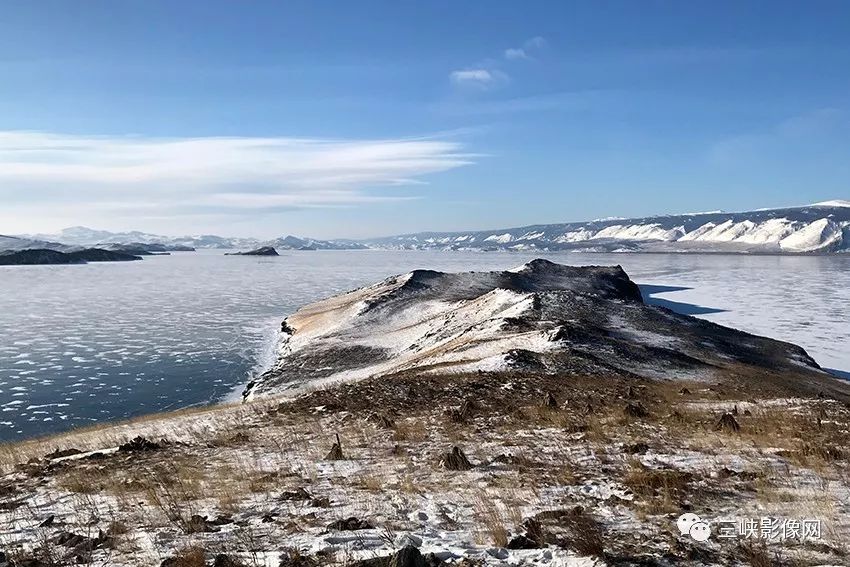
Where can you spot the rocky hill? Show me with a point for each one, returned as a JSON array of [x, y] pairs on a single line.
[[541, 317]]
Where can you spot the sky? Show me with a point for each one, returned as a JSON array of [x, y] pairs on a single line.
[[336, 119]]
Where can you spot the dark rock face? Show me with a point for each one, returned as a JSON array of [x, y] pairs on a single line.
[[98, 255], [139, 445], [727, 422], [44, 256], [407, 556], [350, 525], [262, 251], [455, 460]]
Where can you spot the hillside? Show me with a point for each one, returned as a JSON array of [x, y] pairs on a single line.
[[818, 228], [540, 317]]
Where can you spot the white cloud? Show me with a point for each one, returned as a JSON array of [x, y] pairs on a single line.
[[515, 53], [482, 76], [488, 73], [524, 52], [43, 174], [479, 78]]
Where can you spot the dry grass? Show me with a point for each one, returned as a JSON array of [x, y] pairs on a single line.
[[528, 458], [491, 520], [191, 556], [411, 430], [658, 490]]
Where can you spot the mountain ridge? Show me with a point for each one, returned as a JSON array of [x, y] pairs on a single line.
[[819, 228]]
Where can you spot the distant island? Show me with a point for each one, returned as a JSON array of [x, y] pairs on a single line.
[[44, 256], [262, 251]]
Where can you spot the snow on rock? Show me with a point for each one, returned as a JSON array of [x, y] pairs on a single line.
[[833, 203], [816, 236], [756, 231], [541, 316], [501, 238], [640, 232]]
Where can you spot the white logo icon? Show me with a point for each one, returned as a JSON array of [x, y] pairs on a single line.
[[700, 531], [694, 526]]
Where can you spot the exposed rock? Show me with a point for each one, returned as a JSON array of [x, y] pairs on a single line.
[[139, 445], [549, 401], [81, 544], [297, 494], [335, 454], [636, 448], [455, 460], [224, 560], [221, 521], [350, 524], [200, 524], [463, 413], [635, 410], [320, 502], [407, 556], [58, 454], [727, 422], [523, 542]]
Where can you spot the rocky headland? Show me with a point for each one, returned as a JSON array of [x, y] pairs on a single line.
[[45, 256]]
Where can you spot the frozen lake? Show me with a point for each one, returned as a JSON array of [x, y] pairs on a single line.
[[80, 344]]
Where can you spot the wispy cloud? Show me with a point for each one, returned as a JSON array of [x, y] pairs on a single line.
[[478, 77], [515, 53], [526, 51], [126, 176], [489, 73]]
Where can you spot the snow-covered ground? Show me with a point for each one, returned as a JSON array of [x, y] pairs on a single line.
[[260, 476]]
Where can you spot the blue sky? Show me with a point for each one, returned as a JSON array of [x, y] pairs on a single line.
[[334, 119]]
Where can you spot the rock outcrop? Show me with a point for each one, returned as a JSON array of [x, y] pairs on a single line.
[[45, 256], [542, 317], [262, 251]]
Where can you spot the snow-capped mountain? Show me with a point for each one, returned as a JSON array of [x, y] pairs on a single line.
[[810, 229], [818, 228], [15, 243], [295, 243]]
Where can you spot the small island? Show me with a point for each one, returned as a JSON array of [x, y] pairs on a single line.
[[262, 251]]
